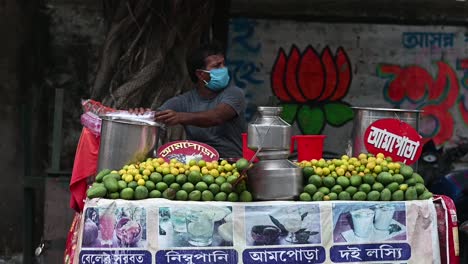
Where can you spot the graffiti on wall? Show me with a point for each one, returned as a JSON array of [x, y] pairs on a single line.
[[311, 87], [243, 69]]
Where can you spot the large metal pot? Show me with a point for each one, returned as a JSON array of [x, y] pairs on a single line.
[[125, 141], [275, 180], [364, 116]]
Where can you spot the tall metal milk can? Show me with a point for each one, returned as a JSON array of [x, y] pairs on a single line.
[[365, 116], [270, 133]]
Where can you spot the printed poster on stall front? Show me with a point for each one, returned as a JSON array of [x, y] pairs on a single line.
[[163, 231]]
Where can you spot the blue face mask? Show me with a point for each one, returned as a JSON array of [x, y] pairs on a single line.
[[219, 79]]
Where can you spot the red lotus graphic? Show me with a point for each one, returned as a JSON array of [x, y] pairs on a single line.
[[299, 79]]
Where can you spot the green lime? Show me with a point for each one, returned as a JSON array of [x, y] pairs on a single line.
[[175, 186], [132, 184], [336, 189], [169, 179], [355, 180], [231, 179], [425, 195], [207, 196], [305, 197], [114, 195], [181, 179], [360, 196], [369, 179], [188, 187], [351, 190], [201, 186], [242, 164], [385, 195], [245, 196], [344, 196], [221, 196], [208, 179], [420, 188], [214, 188], [398, 195], [122, 185], [385, 178], [378, 187], [411, 193], [155, 194], [127, 194], [194, 177], [233, 197], [150, 185], [307, 172], [333, 196], [195, 195], [406, 171], [398, 178], [169, 193], [161, 186], [373, 196], [155, 177], [324, 190], [226, 187], [181, 195], [315, 180], [328, 181], [310, 189], [411, 181], [241, 186], [318, 196], [343, 181], [418, 178], [220, 180], [365, 188], [141, 192], [394, 186]]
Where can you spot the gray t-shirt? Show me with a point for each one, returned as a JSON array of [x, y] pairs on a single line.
[[225, 138]]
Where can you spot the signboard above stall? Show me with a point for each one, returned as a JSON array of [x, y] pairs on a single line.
[[186, 150], [393, 138]]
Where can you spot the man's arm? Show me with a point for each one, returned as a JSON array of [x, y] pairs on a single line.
[[213, 117]]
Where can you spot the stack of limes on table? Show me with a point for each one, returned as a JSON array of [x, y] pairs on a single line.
[[156, 178], [366, 177]]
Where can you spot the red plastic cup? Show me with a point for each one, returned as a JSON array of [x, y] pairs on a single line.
[[246, 152], [308, 146]]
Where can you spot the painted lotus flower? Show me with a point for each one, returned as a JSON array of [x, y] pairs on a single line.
[[311, 86]]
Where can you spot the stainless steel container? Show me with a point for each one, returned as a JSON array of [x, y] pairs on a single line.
[[275, 180], [364, 116], [270, 133], [126, 141]]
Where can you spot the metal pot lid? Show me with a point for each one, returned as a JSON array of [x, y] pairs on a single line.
[[130, 120], [387, 109]]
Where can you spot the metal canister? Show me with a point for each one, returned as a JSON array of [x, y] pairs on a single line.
[[365, 116], [275, 180], [125, 141], [270, 133]]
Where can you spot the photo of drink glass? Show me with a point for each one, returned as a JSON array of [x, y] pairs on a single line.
[[292, 223], [107, 225], [383, 216], [363, 222], [200, 228], [178, 219]]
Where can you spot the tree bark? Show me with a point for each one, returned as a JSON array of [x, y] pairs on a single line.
[[143, 59]]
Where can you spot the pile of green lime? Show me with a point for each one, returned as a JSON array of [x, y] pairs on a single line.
[[191, 185], [399, 183]]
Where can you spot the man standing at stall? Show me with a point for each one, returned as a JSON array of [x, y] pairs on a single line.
[[213, 111]]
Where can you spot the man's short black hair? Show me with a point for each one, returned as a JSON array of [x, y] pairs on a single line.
[[197, 59]]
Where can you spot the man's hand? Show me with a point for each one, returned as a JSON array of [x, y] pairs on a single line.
[[169, 117], [138, 111]]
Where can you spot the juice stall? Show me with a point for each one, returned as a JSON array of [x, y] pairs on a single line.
[[180, 203]]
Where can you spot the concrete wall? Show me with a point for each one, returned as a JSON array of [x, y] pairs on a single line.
[[409, 67]]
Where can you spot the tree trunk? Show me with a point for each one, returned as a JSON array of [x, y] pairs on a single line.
[[143, 58]]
